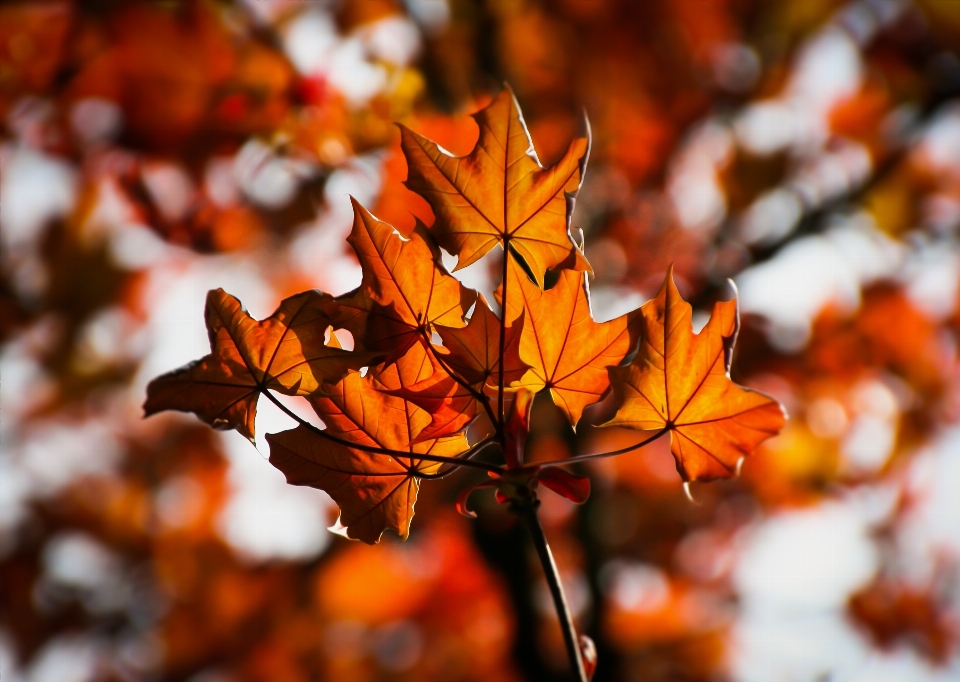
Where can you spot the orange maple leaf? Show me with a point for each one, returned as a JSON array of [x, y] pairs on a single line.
[[451, 405], [567, 351], [405, 289], [680, 381], [374, 491], [285, 353], [467, 362], [499, 193], [473, 351]]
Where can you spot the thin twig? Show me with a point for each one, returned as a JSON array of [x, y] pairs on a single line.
[[396, 454], [476, 449], [529, 515], [600, 455]]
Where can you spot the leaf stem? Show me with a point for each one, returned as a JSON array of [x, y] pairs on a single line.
[[601, 455], [472, 452], [503, 338], [396, 454], [528, 512]]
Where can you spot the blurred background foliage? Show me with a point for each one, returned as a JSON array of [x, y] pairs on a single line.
[[807, 149]]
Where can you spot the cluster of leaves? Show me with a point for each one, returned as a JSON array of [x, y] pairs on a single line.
[[406, 417]]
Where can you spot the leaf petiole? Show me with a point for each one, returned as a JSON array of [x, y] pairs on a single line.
[[472, 452], [398, 455], [601, 455], [503, 336]]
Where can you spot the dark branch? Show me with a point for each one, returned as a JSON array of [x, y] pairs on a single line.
[[528, 512]]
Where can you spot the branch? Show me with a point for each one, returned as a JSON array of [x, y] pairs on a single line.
[[396, 454], [528, 513], [600, 455]]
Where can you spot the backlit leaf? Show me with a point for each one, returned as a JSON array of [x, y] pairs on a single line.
[[567, 351], [451, 406], [284, 353], [680, 381], [473, 351], [405, 288], [375, 492], [499, 192]]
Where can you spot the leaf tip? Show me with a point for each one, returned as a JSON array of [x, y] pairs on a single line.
[[588, 651], [149, 409], [214, 294], [339, 529], [783, 412], [462, 504], [689, 493], [731, 292], [587, 129]]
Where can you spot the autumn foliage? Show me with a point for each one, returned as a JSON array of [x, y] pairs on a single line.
[[463, 340], [398, 408], [406, 418]]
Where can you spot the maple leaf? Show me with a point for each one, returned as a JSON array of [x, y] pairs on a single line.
[[680, 381], [567, 351], [405, 288], [473, 351], [500, 193], [375, 491], [451, 405], [285, 353]]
